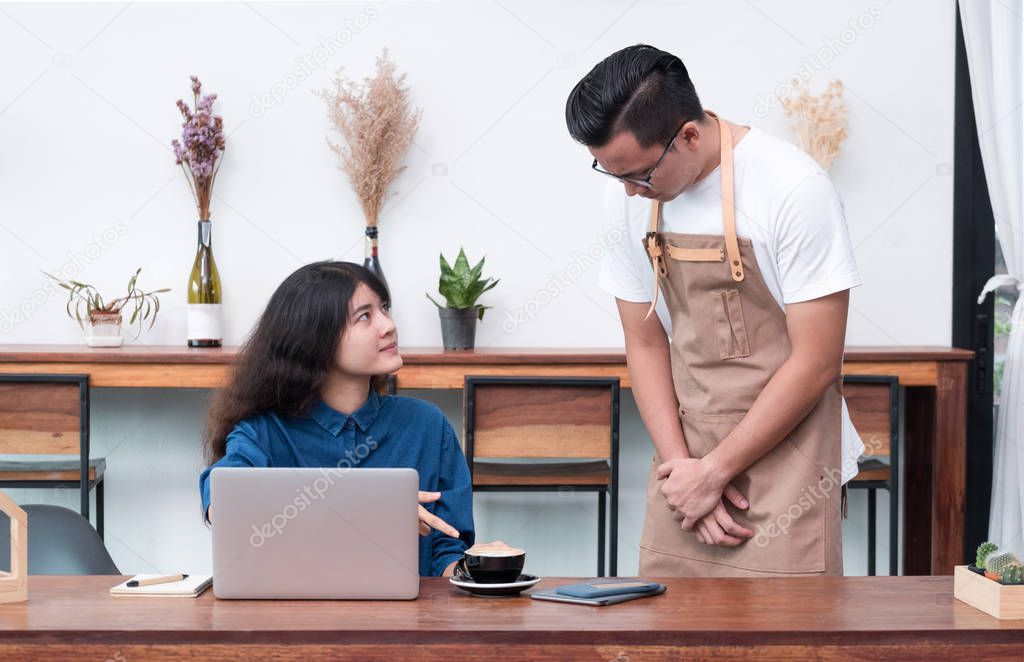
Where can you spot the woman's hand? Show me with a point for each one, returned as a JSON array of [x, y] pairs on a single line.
[[429, 521]]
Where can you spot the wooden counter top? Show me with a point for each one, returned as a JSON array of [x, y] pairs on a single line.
[[827, 617]]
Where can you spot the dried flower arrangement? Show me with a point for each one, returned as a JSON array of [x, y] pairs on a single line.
[[201, 148], [819, 121], [377, 123]]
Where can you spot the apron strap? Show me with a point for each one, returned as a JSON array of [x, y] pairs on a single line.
[[655, 243], [732, 246], [656, 250]]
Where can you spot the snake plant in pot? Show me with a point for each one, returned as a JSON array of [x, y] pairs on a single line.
[[461, 286]]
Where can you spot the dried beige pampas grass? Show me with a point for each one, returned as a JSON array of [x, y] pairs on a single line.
[[819, 121], [377, 124]]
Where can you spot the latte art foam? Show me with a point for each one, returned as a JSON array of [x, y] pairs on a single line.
[[499, 552]]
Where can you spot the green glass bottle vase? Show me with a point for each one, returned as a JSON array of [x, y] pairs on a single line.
[[204, 295]]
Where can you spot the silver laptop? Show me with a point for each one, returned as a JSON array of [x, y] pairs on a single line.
[[315, 533]]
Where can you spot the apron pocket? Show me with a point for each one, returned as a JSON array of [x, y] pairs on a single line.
[[730, 329]]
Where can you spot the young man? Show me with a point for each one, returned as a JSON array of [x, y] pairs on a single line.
[[738, 241]]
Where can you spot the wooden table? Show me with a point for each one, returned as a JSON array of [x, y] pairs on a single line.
[[934, 378], [797, 618]]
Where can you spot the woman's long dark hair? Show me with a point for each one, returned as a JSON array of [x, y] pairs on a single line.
[[284, 362]]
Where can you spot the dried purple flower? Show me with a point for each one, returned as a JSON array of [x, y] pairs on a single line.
[[201, 148]]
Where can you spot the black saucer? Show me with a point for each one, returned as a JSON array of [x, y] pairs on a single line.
[[494, 590]]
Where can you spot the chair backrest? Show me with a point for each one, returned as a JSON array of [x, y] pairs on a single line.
[[873, 401], [60, 542], [44, 415], [540, 417]]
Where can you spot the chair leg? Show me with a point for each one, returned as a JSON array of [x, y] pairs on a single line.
[[613, 539], [99, 508], [83, 493], [894, 535], [871, 532], [601, 512]]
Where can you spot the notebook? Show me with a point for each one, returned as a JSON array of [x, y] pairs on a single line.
[[603, 597], [190, 587]]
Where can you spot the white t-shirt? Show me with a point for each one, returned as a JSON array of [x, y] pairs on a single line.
[[785, 204]]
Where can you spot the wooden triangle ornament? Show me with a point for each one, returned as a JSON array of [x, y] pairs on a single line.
[[14, 584]]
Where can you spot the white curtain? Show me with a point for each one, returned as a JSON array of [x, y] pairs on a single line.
[[992, 34]]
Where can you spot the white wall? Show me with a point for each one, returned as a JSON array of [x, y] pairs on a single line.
[[87, 114]]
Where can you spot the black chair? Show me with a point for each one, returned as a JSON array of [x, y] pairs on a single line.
[[874, 404], [47, 417], [549, 434], [60, 542]]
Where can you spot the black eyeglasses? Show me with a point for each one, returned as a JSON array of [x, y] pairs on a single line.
[[645, 181]]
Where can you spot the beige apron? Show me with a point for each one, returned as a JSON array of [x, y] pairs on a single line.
[[729, 337]]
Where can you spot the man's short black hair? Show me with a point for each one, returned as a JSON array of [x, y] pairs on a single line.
[[639, 89]]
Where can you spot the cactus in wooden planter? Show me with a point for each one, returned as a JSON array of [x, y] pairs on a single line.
[[984, 550], [995, 565], [1013, 574]]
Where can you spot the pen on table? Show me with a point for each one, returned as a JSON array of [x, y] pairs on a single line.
[[155, 580]]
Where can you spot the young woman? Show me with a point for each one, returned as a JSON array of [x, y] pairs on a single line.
[[307, 391]]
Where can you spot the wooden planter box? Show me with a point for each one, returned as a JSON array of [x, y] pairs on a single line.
[[999, 600]]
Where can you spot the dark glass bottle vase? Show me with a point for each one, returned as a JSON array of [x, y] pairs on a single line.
[[372, 259]]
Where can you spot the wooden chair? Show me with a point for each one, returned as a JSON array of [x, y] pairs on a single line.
[[873, 401], [47, 417], [547, 434]]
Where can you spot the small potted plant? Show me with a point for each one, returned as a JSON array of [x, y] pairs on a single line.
[[461, 286], [106, 317]]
